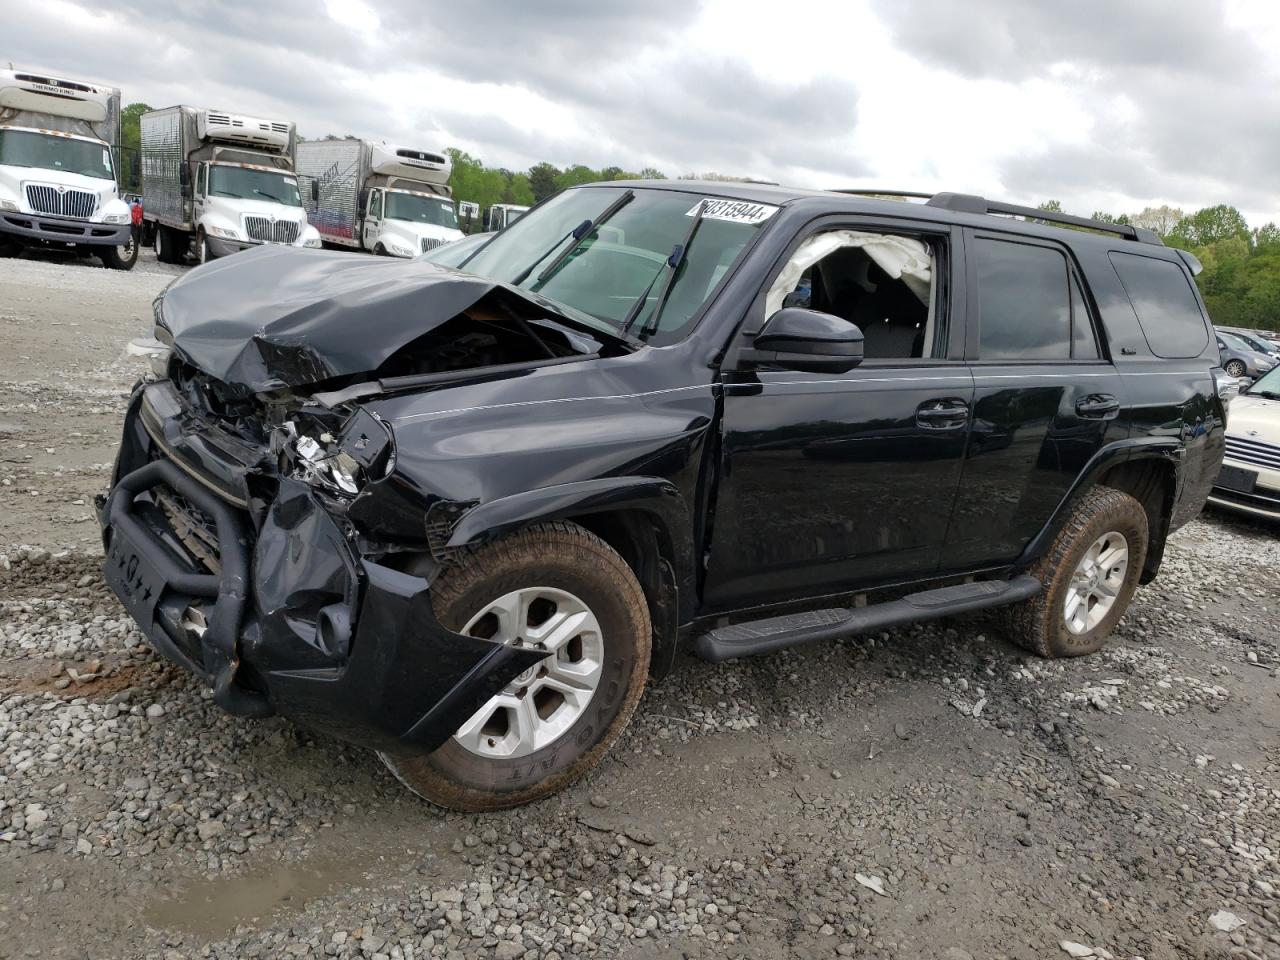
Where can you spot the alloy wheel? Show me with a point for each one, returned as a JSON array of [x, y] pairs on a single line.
[[542, 703], [1096, 582]]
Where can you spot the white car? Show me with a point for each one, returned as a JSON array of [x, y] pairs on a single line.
[[1250, 477]]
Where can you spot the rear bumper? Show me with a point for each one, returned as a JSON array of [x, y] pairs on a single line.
[[34, 226], [296, 620]]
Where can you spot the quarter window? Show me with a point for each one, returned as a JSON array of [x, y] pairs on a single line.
[[1024, 303], [1168, 313]]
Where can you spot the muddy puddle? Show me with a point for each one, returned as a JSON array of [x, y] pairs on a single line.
[[214, 907]]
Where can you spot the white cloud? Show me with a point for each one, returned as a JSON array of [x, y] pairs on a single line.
[[1097, 105]]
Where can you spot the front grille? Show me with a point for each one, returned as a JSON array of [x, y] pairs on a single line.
[[197, 531], [61, 203], [429, 244], [264, 231], [1254, 451]]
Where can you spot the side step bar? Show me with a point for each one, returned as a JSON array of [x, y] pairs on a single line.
[[764, 636]]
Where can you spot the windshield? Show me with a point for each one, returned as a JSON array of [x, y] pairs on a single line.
[[1236, 342], [1253, 343], [85, 157], [453, 253], [1267, 385], [420, 209], [624, 259], [245, 183]]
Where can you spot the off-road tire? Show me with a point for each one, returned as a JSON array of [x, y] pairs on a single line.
[[1235, 368], [562, 556], [1039, 624], [121, 258]]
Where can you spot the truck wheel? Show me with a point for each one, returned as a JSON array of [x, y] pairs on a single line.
[[203, 253], [1089, 574], [555, 587], [169, 245], [121, 258]]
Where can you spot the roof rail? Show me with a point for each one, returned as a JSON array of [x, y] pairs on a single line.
[[969, 203], [915, 194]]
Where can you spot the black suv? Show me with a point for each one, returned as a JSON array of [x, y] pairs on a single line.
[[462, 515]]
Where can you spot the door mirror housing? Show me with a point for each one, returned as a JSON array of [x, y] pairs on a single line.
[[811, 341], [315, 191]]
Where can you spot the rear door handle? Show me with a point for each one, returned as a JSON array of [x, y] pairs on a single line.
[[1098, 406], [943, 414]]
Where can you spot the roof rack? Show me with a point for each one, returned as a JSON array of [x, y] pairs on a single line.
[[915, 194], [971, 203], [968, 203]]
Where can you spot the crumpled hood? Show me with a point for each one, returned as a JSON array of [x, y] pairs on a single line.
[[276, 317], [1255, 418]]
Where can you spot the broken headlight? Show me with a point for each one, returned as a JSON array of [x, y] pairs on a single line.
[[341, 461]]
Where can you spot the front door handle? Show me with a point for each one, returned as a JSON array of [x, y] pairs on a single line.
[[1098, 406], [943, 414]]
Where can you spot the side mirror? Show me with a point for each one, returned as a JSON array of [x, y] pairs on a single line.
[[362, 202], [315, 191], [807, 340]]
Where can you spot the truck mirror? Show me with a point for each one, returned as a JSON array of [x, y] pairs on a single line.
[[184, 175], [315, 191], [363, 203]]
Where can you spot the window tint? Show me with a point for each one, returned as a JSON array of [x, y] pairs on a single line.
[[1084, 345], [1024, 305], [1165, 304]]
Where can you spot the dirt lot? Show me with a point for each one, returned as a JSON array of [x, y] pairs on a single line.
[[931, 792]]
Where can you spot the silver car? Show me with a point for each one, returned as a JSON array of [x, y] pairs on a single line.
[[1254, 341], [1241, 360]]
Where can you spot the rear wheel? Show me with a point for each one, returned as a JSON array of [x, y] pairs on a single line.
[[1235, 368], [169, 245], [1089, 574], [555, 588], [121, 258]]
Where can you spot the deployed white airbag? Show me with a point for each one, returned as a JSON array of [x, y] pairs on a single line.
[[902, 258]]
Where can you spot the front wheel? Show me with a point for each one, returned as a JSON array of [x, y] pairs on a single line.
[[1089, 574], [121, 258], [555, 588], [204, 253], [1235, 368]]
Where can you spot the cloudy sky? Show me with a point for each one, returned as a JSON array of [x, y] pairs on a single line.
[[1102, 104]]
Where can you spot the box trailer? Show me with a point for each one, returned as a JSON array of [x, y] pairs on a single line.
[[372, 196]]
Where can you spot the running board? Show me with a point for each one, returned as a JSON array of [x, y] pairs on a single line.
[[763, 636]]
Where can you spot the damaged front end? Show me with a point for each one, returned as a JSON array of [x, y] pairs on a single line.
[[238, 535]]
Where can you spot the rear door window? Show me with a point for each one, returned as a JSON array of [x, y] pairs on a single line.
[[1024, 303], [1167, 309]]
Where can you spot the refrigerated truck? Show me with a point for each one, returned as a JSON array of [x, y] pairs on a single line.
[[366, 195], [215, 183], [58, 154]]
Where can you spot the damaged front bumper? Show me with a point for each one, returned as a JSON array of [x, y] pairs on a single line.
[[281, 612]]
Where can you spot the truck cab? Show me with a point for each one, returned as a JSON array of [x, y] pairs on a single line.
[[58, 169], [405, 223], [501, 215]]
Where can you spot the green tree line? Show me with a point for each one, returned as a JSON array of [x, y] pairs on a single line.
[[1240, 282]]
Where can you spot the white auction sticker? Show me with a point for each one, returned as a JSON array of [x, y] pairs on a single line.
[[736, 211]]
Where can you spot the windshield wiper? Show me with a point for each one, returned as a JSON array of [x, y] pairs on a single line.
[[1269, 394], [678, 254], [269, 196], [587, 228]]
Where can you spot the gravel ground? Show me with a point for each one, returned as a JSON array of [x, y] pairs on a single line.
[[928, 792]]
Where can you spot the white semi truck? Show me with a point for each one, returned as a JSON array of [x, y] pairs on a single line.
[[499, 216], [214, 183], [58, 146], [372, 196]]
